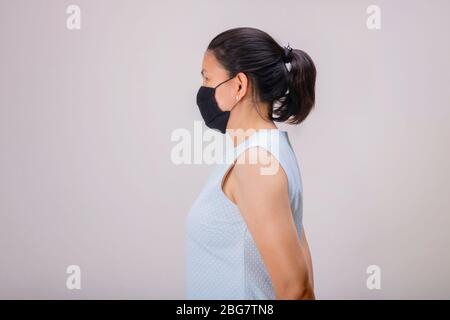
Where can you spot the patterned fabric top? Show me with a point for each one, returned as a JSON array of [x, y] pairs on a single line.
[[222, 260]]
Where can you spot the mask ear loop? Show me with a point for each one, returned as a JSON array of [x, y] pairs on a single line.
[[254, 100], [237, 97], [224, 82]]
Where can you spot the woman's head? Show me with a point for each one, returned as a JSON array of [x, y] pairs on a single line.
[[255, 65]]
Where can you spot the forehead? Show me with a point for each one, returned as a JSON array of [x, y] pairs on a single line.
[[210, 65]]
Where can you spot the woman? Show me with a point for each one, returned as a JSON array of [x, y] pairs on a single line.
[[245, 237]]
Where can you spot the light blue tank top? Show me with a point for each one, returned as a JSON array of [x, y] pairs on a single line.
[[222, 260]]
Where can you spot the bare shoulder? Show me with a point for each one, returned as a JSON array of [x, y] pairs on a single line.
[[259, 178], [258, 163]]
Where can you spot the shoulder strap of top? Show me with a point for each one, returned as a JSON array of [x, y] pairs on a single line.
[[269, 139], [266, 138]]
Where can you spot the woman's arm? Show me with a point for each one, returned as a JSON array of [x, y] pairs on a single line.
[[264, 203], [305, 245]]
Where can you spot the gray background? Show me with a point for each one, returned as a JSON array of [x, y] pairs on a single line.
[[86, 118]]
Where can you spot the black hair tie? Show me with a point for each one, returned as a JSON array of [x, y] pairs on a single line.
[[287, 54]]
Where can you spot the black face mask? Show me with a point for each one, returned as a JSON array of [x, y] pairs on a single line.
[[213, 116]]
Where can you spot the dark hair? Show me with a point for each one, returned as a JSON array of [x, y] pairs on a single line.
[[253, 52]]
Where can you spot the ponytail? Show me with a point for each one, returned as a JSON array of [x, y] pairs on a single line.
[[298, 101]]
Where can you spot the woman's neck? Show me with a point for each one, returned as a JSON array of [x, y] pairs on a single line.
[[245, 120]]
